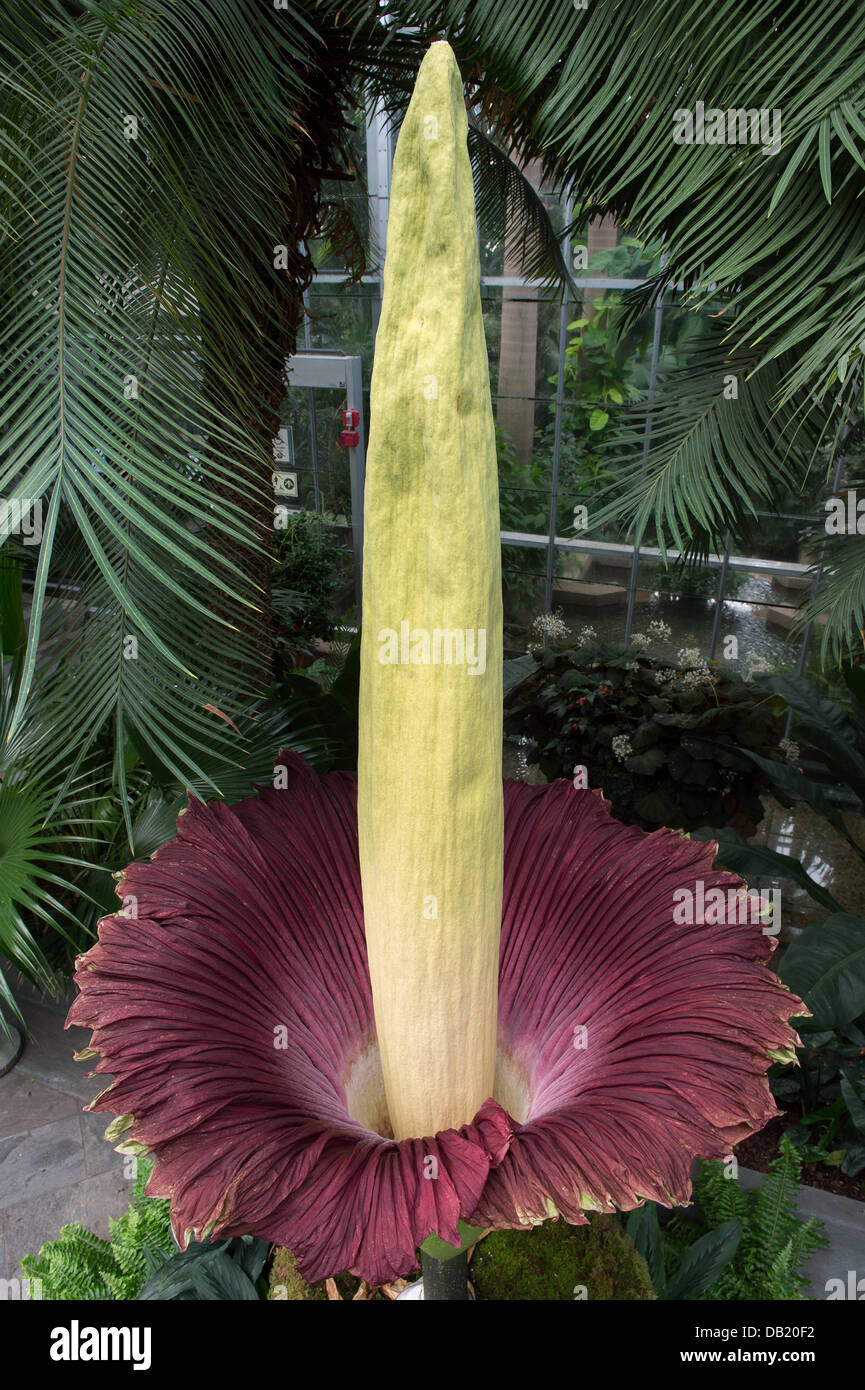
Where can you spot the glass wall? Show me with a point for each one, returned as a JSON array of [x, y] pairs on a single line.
[[562, 375]]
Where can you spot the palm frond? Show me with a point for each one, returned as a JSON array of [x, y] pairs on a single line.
[[145, 319], [714, 456]]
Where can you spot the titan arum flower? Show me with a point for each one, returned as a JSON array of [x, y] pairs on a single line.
[[352, 1012]]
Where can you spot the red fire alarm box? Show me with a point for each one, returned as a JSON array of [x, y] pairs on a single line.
[[349, 439], [350, 419]]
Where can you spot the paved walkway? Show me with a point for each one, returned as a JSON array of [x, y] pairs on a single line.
[[54, 1164]]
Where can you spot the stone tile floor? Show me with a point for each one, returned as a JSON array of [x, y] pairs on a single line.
[[54, 1164]]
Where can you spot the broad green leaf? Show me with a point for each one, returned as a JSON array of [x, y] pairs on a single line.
[[643, 1229], [745, 858], [704, 1261], [825, 966]]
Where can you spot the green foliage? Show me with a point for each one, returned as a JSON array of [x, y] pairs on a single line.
[[321, 723], [147, 325], [662, 740], [825, 964], [826, 967], [606, 369], [700, 1263], [831, 734], [308, 569], [828, 1085], [224, 1270], [80, 1265], [694, 581], [775, 1241], [746, 1245], [141, 1261]]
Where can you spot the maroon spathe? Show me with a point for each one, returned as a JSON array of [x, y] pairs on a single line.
[[249, 930]]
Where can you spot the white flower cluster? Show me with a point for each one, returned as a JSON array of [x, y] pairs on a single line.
[[697, 678], [621, 747], [547, 628], [696, 674], [657, 631], [690, 656], [790, 749], [586, 634], [756, 665]]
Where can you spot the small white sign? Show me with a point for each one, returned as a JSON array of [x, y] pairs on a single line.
[[283, 445], [285, 484]]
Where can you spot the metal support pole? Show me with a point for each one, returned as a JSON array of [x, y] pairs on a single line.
[[313, 423], [805, 644], [560, 400], [330, 370], [357, 474], [647, 439], [445, 1279], [719, 597], [379, 158]]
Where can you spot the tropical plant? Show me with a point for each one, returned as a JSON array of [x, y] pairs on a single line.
[[145, 321], [696, 1263], [307, 565], [666, 741], [210, 1271], [436, 971], [173, 172], [775, 1242], [141, 1261], [601, 100], [825, 963], [78, 1264], [162, 359], [743, 1245]]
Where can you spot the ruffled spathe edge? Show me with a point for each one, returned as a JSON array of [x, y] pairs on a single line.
[[243, 926]]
